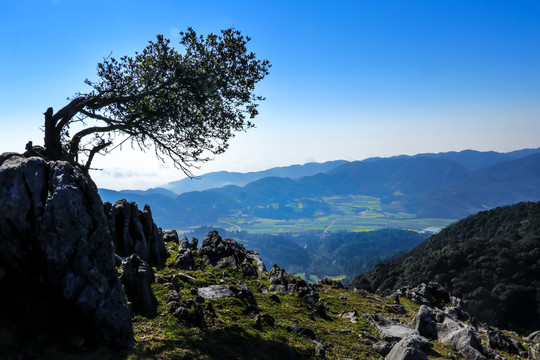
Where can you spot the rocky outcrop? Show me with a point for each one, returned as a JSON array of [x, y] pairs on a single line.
[[184, 257], [134, 232], [215, 292], [409, 348], [500, 341], [445, 324], [534, 336], [137, 277], [170, 236], [534, 352], [282, 283], [389, 329], [441, 317], [53, 232], [224, 253]]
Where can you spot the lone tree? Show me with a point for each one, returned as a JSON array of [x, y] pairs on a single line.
[[186, 105]]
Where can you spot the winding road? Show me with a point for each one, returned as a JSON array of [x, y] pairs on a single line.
[[230, 223]]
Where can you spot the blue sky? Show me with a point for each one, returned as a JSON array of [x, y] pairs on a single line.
[[350, 79]]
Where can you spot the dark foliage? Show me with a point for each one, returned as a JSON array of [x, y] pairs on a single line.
[[351, 254], [341, 253], [491, 260], [185, 105]]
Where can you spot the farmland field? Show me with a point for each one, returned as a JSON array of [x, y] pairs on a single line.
[[351, 213]]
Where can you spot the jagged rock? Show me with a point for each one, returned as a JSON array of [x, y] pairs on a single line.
[[462, 337], [351, 315], [456, 313], [424, 322], [184, 258], [395, 296], [173, 305], [333, 283], [215, 292], [277, 275], [175, 283], [282, 283], [432, 294], [134, 232], [367, 338], [249, 270], [534, 352], [306, 333], [321, 310], [224, 253], [409, 348], [446, 327], [170, 236], [173, 296], [499, 341], [252, 255], [534, 336], [418, 294], [53, 232], [181, 313], [193, 244], [278, 289], [243, 292], [298, 287], [395, 308], [263, 289], [311, 299], [319, 351], [383, 347], [137, 277], [389, 329]]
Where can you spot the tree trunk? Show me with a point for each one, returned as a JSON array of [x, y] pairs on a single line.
[[53, 145]]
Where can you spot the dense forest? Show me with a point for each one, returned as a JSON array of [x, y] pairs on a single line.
[[336, 254], [491, 260]]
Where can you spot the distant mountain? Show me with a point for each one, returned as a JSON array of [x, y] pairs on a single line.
[[491, 260], [501, 184], [394, 176], [224, 178], [149, 192], [473, 160], [425, 186]]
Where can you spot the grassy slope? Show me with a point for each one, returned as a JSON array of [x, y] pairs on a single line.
[[232, 334]]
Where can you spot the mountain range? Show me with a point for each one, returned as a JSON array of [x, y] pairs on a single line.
[[445, 185]]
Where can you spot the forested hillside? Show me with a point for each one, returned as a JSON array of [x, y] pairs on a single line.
[[344, 254], [491, 260]]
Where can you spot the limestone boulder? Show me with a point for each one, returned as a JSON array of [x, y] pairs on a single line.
[[390, 329], [137, 277], [134, 232], [409, 348], [54, 232], [224, 253]]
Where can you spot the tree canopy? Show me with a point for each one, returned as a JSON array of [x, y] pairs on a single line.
[[185, 105]]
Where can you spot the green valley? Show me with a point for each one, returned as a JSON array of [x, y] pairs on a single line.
[[344, 213]]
